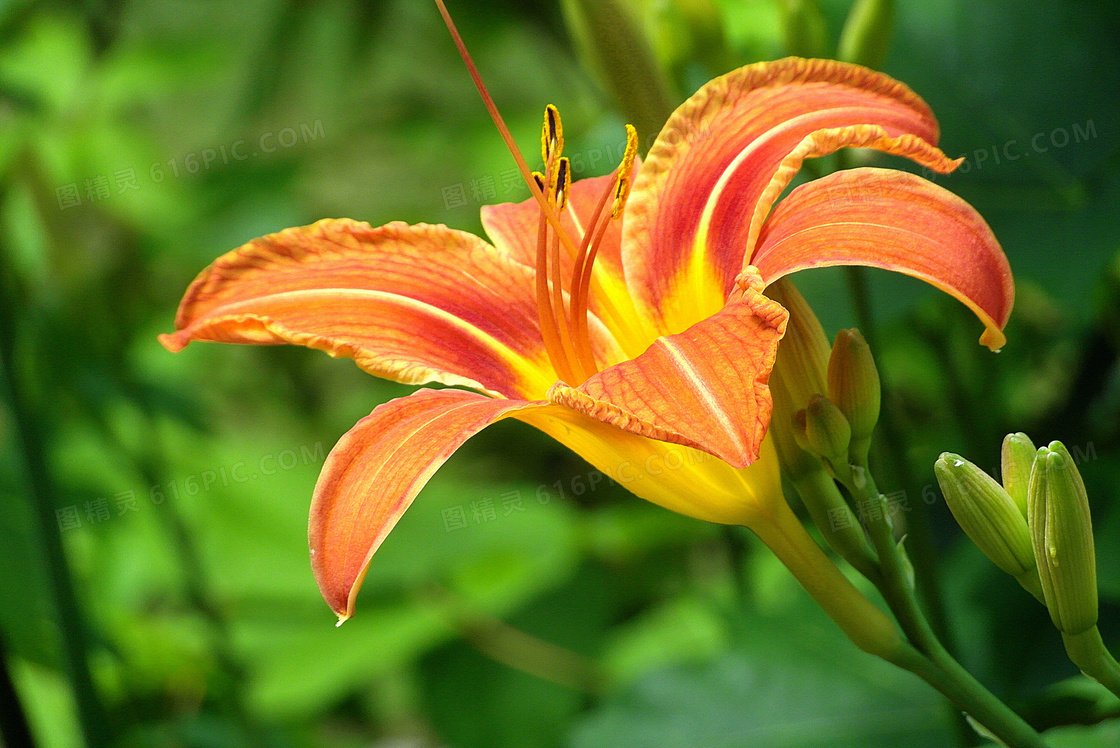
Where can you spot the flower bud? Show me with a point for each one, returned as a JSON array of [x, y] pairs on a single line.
[[804, 28], [612, 39], [986, 513], [801, 431], [853, 384], [823, 500], [866, 35], [827, 431], [1016, 459], [802, 358], [1062, 535], [794, 460]]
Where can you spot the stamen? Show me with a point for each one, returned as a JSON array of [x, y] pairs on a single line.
[[581, 269], [563, 183], [593, 237], [550, 331]]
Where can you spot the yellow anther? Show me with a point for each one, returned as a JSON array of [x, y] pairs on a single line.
[[622, 187], [552, 134], [539, 179], [563, 182]]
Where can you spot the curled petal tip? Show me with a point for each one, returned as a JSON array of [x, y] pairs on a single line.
[[994, 339], [750, 279], [175, 341]]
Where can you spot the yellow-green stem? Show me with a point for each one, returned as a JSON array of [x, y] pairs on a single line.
[[866, 625]]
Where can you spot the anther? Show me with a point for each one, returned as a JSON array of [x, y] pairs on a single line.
[[563, 182], [552, 134], [622, 188]]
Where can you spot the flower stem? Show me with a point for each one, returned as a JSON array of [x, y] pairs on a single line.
[[955, 683], [921, 541], [865, 624], [934, 665], [1088, 652]]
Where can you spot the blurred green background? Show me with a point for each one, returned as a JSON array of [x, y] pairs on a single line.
[[522, 601]]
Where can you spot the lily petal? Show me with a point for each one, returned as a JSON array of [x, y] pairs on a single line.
[[824, 142], [689, 216], [513, 229], [375, 471], [897, 221], [680, 478], [412, 303], [704, 388]]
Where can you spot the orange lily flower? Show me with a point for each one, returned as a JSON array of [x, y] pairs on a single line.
[[629, 324]]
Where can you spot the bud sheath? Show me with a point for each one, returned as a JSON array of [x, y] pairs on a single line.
[[1062, 535], [853, 385], [1016, 459], [986, 514]]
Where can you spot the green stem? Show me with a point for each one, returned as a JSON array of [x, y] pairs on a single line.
[[833, 517], [920, 536], [859, 292], [955, 683], [953, 680], [1088, 652]]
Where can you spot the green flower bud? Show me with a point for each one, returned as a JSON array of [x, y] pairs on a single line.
[[801, 431], [853, 384], [795, 462], [612, 39], [827, 430], [804, 29], [1016, 460], [1062, 535], [867, 33], [986, 513]]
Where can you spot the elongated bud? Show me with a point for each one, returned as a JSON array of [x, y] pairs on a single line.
[[986, 513], [612, 40], [1016, 459], [804, 29], [798, 374], [853, 384], [1062, 535], [866, 35], [802, 360], [691, 31]]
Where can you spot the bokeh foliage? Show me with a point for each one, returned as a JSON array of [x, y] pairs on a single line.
[[573, 615]]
